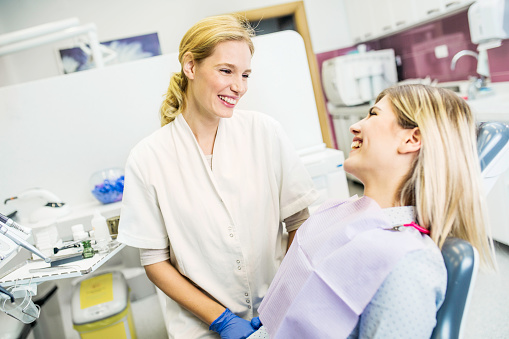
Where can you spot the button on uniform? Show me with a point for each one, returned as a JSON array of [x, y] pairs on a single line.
[[231, 233]]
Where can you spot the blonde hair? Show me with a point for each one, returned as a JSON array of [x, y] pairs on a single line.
[[445, 181], [201, 40]]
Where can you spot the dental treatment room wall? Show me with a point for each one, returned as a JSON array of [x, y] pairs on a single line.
[[58, 131], [116, 19]]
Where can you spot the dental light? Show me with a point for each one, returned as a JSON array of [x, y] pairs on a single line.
[[44, 34]]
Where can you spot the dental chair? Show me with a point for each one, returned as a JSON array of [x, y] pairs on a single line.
[[461, 259]]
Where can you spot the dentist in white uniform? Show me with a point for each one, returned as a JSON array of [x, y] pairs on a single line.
[[206, 195]]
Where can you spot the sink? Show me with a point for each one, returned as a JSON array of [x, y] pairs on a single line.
[[493, 107]]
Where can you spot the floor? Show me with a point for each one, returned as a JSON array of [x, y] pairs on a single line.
[[148, 325], [489, 308], [487, 317]]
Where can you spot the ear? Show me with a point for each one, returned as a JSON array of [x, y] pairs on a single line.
[[189, 65], [411, 141]]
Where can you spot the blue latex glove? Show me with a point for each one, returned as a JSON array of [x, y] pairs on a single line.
[[230, 326], [256, 323]]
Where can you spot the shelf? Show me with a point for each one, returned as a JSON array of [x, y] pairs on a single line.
[[78, 214], [37, 271]]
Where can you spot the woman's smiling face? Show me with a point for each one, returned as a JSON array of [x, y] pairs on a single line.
[[375, 144], [219, 81]]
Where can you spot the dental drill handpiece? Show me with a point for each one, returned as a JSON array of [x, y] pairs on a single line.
[[4, 229], [11, 223]]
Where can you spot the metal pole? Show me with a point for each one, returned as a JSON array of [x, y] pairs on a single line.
[[36, 31], [42, 40]]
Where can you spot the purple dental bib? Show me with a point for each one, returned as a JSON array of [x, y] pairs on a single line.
[[339, 258]]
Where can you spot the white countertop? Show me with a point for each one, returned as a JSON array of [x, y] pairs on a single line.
[[494, 107]]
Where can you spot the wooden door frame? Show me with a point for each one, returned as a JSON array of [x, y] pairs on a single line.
[[297, 10]]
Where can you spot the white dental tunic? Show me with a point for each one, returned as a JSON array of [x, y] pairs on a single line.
[[223, 226]]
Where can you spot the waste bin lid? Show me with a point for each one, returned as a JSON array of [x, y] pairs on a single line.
[[99, 297]]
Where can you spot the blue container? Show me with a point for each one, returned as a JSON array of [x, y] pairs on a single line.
[[108, 185]]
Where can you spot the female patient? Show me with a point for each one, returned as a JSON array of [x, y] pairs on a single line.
[[372, 267]]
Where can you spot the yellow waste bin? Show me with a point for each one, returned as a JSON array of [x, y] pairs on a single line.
[[101, 308]]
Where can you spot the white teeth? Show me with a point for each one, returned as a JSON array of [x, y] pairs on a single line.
[[228, 100], [356, 144]]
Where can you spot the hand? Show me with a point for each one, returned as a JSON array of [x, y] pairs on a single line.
[[230, 326], [256, 323]]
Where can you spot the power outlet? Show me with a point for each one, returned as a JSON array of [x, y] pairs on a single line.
[[441, 51]]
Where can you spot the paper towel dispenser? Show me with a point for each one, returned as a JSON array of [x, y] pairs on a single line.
[[489, 21]]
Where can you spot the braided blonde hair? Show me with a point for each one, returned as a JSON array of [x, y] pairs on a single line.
[[200, 40]]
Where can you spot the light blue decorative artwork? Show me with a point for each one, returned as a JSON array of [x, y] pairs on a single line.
[[118, 51]]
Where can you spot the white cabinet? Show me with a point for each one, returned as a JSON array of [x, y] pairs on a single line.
[[451, 5], [384, 21], [428, 9], [360, 20], [404, 13], [370, 19]]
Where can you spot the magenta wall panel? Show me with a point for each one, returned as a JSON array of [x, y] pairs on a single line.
[[499, 62], [416, 48]]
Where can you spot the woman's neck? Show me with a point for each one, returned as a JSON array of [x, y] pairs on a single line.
[[384, 192], [204, 130], [384, 184]]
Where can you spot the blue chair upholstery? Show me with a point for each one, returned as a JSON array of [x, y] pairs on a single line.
[[462, 262], [461, 259]]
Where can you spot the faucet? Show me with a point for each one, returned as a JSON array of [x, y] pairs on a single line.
[[460, 54], [476, 83]]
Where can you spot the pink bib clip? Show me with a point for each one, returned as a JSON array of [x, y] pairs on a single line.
[[417, 227], [412, 224]]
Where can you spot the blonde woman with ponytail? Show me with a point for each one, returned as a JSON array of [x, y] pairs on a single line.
[[206, 195], [371, 267]]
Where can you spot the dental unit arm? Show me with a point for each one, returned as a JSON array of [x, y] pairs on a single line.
[[17, 234], [36, 206], [51, 32], [9, 294]]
